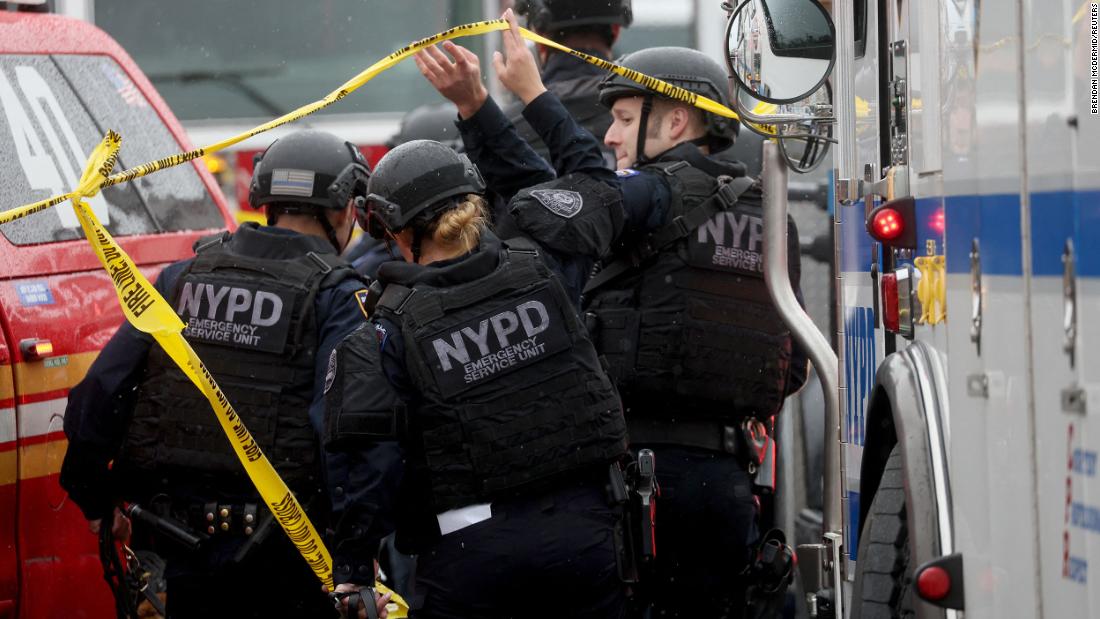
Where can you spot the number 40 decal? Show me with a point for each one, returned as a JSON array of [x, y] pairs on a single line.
[[54, 170]]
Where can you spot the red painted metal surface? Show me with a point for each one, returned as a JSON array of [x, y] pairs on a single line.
[[49, 565], [9, 472]]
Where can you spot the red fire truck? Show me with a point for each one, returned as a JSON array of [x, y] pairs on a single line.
[[63, 83]]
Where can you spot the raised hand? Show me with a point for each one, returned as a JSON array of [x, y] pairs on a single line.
[[516, 68], [458, 80]]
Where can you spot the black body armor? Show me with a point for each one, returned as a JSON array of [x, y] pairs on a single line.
[[252, 322], [682, 314], [510, 390]]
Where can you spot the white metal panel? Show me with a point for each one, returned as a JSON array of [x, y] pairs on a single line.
[[991, 447], [1064, 491], [925, 62], [855, 292]]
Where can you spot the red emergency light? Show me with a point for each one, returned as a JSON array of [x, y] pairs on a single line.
[[934, 583], [888, 225], [890, 320], [892, 224], [940, 582]]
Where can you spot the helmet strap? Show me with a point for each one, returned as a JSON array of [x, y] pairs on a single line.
[[329, 231], [418, 237], [643, 129]]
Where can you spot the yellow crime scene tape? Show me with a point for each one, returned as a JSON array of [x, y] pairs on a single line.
[[476, 28], [147, 310]]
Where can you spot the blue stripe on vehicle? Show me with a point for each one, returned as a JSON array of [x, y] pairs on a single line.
[[995, 221]]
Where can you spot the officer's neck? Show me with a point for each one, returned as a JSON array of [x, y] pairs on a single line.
[[429, 251], [304, 224]]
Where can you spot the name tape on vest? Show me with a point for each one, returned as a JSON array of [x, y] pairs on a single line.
[[235, 314], [485, 348], [730, 241]]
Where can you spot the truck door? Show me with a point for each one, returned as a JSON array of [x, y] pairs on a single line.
[[1063, 191], [58, 306], [992, 413]]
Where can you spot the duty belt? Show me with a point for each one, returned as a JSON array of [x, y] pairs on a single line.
[[702, 434]]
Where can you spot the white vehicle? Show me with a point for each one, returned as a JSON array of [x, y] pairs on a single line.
[[961, 474]]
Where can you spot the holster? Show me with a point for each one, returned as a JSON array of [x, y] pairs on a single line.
[[636, 537], [768, 575]]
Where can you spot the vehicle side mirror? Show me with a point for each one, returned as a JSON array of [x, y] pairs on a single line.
[[780, 51]]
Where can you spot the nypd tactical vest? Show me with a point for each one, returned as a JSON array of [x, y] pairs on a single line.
[[253, 324], [510, 388], [688, 328]]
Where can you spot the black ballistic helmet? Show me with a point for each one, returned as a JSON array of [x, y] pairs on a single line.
[[415, 181], [680, 66], [429, 122], [554, 15], [308, 169]]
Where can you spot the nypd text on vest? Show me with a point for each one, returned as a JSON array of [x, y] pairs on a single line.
[[233, 314], [737, 239]]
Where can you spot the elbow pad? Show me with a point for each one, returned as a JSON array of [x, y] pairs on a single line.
[[361, 406], [575, 215]]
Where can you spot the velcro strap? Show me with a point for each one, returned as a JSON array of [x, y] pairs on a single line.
[[394, 298]]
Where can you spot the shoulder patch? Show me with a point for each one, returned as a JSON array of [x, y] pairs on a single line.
[[361, 298], [561, 202], [626, 172]]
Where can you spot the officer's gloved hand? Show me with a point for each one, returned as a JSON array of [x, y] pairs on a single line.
[[517, 68], [120, 526], [380, 602]]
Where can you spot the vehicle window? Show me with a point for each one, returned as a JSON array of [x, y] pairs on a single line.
[[859, 15], [804, 33], [176, 198], [217, 59], [45, 137]]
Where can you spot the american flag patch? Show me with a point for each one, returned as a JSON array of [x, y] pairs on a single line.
[[286, 182], [124, 87]]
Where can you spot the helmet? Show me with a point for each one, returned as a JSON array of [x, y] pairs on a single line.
[[680, 66], [555, 15], [429, 122], [309, 168], [413, 181]]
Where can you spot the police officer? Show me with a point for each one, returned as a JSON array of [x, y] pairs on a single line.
[[263, 307], [587, 26], [434, 121], [508, 425], [679, 310]]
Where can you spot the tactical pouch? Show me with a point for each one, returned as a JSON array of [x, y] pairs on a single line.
[[360, 405]]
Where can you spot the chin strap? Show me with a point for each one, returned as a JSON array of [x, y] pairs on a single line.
[[418, 236], [643, 129], [330, 232]]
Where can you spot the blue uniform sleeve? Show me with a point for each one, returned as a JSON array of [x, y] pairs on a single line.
[[362, 484], [339, 311], [572, 147], [98, 409], [507, 162]]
